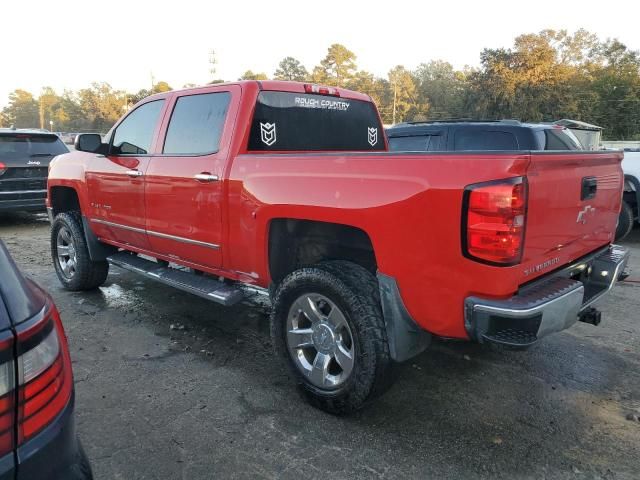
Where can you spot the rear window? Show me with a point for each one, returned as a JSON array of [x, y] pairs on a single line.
[[286, 121], [558, 139], [23, 145], [417, 143], [473, 139]]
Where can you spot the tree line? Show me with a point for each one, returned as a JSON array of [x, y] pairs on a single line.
[[544, 76]]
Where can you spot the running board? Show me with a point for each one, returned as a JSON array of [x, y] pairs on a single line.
[[203, 286]]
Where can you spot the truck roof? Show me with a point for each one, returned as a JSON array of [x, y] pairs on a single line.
[[274, 85]]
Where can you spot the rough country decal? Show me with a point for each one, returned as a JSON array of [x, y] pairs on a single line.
[[308, 102], [268, 133], [373, 136]]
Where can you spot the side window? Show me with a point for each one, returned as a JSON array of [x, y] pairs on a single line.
[[437, 143], [135, 134], [473, 139], [196, 124], [560, 139], [416, 143]]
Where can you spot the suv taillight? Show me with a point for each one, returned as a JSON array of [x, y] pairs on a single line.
[[493, 221], [3, 168], [7, 393], [45, 379]]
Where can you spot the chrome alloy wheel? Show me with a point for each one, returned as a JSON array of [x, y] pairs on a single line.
[[320, 341], [67, 257]]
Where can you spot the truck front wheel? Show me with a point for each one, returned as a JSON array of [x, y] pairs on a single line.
[[328, 327], [70, 255]]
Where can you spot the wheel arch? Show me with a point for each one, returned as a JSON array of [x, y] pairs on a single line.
[[295, 243], [63, 198]]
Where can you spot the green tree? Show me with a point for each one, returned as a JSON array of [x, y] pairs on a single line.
[[442, 87], [337, 67], [250, 75], [101, 105], [402, 97], [617, 87], [22, 110], [161, 87], [290, 68]]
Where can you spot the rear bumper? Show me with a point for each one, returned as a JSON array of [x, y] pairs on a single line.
[[550, 304], [27, 200], [55, 453]]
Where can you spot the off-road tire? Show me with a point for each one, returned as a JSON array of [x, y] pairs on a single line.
[[88, 274], [625, 221], [355, 291]]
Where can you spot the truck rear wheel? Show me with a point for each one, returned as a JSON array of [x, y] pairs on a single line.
[[625, 221], [328, 327], [70, 255]]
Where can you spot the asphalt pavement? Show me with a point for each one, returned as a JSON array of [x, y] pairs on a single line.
[[170, 386]]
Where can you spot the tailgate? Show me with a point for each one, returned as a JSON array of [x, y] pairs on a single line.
[[574, 201]]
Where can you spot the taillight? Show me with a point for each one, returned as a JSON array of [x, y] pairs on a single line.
[[7, 393], [45, 380], [321, 90], [493, 221], [3, 168]]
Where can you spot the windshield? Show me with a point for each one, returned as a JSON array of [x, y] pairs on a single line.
[[23, 145]]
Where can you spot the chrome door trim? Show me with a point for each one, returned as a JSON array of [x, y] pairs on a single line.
[[157, 234], [124, 227]]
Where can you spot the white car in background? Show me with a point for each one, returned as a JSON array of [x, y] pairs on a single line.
[[629, 214]]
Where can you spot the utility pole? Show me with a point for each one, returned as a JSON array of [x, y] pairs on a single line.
[[153, 81], [395, 94], [212, 64]]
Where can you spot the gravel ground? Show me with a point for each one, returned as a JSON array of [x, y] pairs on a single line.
[[205, 399]]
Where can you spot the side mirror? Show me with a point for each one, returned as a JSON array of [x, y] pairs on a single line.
[[89, 142]]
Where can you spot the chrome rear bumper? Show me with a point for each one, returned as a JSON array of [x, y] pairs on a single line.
[[548, 305]]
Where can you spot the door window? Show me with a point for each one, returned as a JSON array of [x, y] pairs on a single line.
[[196, 124], [135, 133]]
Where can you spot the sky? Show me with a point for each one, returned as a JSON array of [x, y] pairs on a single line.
[[70, 43]]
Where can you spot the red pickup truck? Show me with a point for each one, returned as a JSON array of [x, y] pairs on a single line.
[[287, 189]]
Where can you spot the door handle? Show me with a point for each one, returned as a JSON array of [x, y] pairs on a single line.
[[206, 177], [134, 173]]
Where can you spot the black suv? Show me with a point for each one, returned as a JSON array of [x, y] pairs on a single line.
[[459, 135], [24, 163]]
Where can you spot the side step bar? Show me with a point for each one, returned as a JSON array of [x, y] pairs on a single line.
[[202, 286]]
